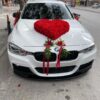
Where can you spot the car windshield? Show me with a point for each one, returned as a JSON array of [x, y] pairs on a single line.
[[46, 10]]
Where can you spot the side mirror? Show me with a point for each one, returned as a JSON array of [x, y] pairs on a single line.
[[76, 16], [16, 14]]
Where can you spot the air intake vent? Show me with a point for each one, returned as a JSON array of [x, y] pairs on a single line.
[[54, 70]]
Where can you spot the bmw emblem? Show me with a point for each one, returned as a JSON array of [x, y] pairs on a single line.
[[56, 49]]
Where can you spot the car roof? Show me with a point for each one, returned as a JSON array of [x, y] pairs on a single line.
[[44, 1]]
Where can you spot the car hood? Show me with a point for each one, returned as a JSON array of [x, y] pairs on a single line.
[[24, 34]]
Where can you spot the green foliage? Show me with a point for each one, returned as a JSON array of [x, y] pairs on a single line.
[[64, 53], [47, 53]]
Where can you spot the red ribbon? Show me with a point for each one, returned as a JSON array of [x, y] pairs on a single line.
[[45, 68], [43, 63], [16, 18], [58, 57]]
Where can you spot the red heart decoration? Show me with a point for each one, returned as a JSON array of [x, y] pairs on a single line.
[[52, 29]]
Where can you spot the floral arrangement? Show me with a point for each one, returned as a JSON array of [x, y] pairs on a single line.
[[52, 29]]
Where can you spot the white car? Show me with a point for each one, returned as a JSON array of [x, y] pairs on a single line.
[[26, 46], [96, 5]]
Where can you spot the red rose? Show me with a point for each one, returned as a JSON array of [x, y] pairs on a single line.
[[60, 43]]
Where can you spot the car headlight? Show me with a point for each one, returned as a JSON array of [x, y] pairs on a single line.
[[17, 50], [88, 49]]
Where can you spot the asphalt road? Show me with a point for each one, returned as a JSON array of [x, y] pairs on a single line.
[[85, 87]]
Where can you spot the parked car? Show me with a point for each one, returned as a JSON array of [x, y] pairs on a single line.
[[96, 5], [69, 4], [26, 46]]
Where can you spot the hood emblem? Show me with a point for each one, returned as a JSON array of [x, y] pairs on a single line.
[[56, 49]]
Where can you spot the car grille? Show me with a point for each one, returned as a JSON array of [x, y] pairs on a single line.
[[39, 56], [54, 70], [71, 56]]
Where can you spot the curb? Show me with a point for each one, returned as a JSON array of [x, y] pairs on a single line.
[[4, 48], [98, 12], [3, 51]]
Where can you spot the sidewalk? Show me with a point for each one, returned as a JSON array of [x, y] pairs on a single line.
[[3, 25], [90, 9]]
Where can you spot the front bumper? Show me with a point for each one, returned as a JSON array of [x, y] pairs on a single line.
[[28, 64], [26, 72]]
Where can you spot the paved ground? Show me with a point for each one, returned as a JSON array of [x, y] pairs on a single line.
[[85, 87]]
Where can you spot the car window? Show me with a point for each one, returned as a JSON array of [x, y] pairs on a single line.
[[45, 10]]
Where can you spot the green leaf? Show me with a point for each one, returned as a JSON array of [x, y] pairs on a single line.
[[64, 53], [47, 53]]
